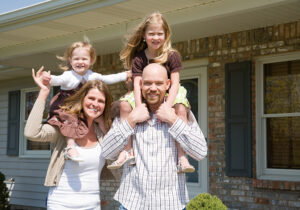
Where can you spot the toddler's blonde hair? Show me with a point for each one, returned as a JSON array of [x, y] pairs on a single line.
[[69, 51]]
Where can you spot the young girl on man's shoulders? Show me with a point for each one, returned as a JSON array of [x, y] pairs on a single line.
[[151, 42]]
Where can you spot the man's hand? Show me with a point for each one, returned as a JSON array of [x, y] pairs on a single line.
[[167, 114], [138, 114]]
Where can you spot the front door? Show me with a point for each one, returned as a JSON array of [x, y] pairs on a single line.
[[194, 78]]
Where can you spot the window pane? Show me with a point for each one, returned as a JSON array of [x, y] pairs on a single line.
[[282, 87], [30, 98], [191, 85], [283, 143], [34, 145]]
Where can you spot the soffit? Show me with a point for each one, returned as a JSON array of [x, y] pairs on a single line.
[[24, 45], [93, 19]]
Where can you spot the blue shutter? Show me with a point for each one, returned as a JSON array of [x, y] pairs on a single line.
[[238, 142], [13, 128]]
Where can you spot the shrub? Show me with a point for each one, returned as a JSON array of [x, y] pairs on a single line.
[[3, 193], [205, 201]]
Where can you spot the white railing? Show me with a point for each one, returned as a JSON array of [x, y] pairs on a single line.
[[10, 183]]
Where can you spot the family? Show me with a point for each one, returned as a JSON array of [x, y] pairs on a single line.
[[150, 137]]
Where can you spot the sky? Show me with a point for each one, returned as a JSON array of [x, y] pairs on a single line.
[[11, 5]]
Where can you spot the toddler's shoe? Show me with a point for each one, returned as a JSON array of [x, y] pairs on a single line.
[[181, 168], [118, 164], [75, 158]]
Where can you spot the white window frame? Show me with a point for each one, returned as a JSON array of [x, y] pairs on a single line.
[[261, 137], [197, 69], [23, 152]]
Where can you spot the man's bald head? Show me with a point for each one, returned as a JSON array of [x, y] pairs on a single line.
[[154, 84], [155, 68]]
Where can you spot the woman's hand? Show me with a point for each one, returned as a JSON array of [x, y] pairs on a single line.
[[41, 81], [43, 84]]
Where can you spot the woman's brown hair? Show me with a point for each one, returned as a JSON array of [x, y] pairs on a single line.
[[74, 103]]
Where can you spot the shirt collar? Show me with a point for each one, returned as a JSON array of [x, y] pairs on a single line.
[[84, 76], [153, 120]]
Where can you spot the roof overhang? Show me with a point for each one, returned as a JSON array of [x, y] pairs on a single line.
[[34, 36]]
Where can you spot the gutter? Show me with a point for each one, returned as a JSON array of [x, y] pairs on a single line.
[[49, 10]]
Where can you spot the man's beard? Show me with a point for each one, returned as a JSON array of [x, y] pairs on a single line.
[[154, 105]]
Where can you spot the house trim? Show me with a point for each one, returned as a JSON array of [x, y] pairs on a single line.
[[23, 152]]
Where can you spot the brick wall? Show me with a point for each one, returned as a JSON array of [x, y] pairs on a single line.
[[108, 189], [235, 192]]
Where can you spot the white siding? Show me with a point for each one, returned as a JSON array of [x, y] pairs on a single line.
[[29, 173]]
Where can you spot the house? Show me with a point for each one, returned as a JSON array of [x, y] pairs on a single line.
[[241, 68]]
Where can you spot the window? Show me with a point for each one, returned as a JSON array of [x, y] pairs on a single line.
[[31, 148], [278, 117]]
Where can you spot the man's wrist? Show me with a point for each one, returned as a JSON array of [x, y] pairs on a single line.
[[131, 121], [172, 119], [170, 104]]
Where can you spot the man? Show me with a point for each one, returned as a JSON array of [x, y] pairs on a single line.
[[153, 183]]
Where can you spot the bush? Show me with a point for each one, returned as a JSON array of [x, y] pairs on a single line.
[[3, 193], [205, 201]]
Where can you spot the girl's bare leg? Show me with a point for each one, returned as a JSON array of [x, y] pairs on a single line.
[[183, 162], [127, 152]]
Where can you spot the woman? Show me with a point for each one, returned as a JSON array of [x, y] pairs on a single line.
[[73, 185]]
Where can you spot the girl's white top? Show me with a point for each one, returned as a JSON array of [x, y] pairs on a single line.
[[70, 79], [79, 185]]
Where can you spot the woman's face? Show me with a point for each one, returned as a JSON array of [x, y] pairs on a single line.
[[93, 104]]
